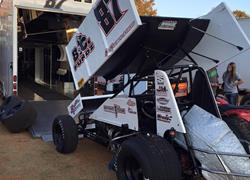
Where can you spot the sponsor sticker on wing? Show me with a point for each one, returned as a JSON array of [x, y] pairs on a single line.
[[131, 103], [168, 25]]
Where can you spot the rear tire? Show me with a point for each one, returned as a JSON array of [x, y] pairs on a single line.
[[65, 134], [145, 157], [245, 100], [239, 126]]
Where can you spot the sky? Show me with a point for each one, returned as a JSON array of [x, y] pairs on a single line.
[[196, 8]]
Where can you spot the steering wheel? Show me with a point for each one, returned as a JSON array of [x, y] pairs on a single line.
[[148, 109]]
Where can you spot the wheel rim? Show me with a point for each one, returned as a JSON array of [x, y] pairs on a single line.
[[58, 137], [133, 170]]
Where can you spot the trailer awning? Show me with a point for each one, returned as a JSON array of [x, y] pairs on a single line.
[[159, 42]]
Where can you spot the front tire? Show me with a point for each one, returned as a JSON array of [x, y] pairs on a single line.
[[65, 134], [145, 157]]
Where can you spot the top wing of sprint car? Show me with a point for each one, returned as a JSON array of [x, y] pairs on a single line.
[[113, 39]]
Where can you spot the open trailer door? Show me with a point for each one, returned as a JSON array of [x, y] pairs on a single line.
[[105, 28], [42, 28], [5, 48]]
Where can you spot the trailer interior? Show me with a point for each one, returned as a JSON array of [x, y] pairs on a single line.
[[43, 70]]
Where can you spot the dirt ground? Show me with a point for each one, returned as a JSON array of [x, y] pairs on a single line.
[[23, 157]]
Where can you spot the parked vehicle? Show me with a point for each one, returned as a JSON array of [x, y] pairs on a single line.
[[237, 117], [245, 96], [171, 130]]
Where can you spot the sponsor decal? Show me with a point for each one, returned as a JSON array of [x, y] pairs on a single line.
[[162, 101], [108, 14], [167, 25], [160, 80], [82, 50], [56, 4], [164, 118], [119, 39], [81, 83], [131, 103], [74, 107], [115, 109], [164, 109], [131, 111], [161, 91]]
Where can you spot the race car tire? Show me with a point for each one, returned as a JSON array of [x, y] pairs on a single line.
[[239, 126], [8, 104], [65, 134], [18, 115], [144, 157], [245, 100]]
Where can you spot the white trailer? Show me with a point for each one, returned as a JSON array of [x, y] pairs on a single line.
[[20, 24], [242, 60], [33, 62]]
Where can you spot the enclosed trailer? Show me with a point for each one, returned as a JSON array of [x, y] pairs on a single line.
[[33, 62], [33, 35], [242, 60]]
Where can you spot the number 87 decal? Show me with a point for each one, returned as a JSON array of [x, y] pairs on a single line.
[[108, 17]]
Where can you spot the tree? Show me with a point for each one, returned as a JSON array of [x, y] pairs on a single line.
[[145, 7], [240, 14]]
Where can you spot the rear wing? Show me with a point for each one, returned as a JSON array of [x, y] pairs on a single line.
[[223, 41], [106, 27], [108, 44]]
